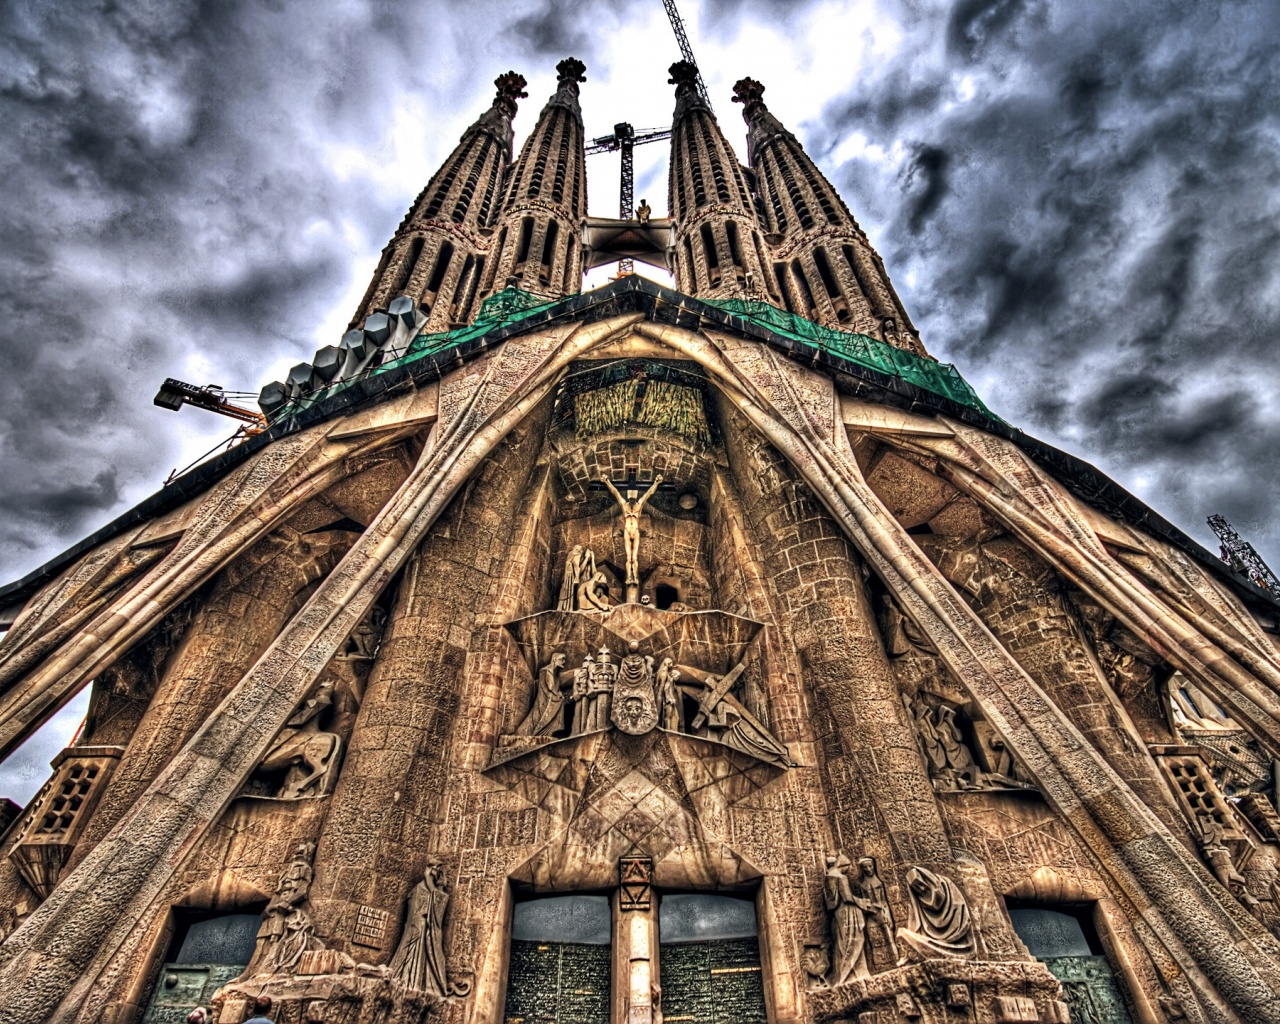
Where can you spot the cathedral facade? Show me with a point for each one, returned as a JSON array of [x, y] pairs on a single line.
[[704, 654]]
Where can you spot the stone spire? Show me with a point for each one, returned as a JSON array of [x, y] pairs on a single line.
[[436, 256], [719, 252], [823, 264], [536, 246]]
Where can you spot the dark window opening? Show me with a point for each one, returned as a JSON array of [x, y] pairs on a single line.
[[406, 268], [548, 252], [709, 959], [709, 250], [829, 283], [693, 267], [923, 530], [440, 269], [780, 272], [735, 251], [805, 291], [464, 311], [664, 596], [526, 237]]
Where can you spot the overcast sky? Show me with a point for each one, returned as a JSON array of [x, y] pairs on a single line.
[[1078, 203]]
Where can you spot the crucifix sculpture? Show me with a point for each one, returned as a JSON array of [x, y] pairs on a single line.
[[631, 509]]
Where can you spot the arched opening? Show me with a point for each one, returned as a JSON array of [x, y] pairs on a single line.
[[526, 238], [206, 952], [664, 596], [709, 250], [548, 252], [1063, 937]]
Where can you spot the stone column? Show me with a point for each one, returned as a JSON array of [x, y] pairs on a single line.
[[396, 779], [877, 785]]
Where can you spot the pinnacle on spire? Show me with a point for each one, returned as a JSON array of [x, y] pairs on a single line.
[[684, 76], [510, 87], [569, 72]]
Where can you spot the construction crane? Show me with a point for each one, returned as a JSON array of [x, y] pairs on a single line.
[[686, 51], [624, 140], [174, 394], [1241, 556]]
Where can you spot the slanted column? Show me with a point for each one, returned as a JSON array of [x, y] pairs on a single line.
[[249, 605], [1020, 600], [877, 781], [395, 779]]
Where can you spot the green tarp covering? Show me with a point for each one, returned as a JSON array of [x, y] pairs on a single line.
[[940, 378], [512, 305]]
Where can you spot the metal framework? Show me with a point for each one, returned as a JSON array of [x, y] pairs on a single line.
[[686, 50], [1241, 556], [624, 140]]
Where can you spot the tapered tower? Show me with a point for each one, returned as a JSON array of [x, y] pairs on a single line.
[[437, 254], [719, 252], [536, 246], [822, 264]]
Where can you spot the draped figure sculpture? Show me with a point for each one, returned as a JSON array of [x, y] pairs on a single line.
[[547, 714], [847, 917], [419, 960], [941, 924]]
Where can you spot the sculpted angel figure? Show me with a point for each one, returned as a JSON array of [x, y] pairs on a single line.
[[631, 525]]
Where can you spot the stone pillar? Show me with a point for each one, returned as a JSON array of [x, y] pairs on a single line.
[[396, 779], [877, 784]]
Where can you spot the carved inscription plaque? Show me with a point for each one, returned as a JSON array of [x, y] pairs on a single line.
[[371, 927]]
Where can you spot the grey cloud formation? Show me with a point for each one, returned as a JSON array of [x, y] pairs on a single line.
[[1080, 204]]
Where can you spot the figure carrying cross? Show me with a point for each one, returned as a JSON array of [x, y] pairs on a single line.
[[631, 509]]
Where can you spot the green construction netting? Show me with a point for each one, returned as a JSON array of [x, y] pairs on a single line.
[[940, 378], [512, 305]]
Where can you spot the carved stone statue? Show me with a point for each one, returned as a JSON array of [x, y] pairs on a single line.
[[286, 931], [578, 567], [1223, 865], [593, 693], [669, 696], [365, 639], [547, 713], [632, 507], [593, 593], [734, 726], [949, 758], [872, 890], [306, 752], [635, 706], [643, 212], [941, 924], [419, 960], [848, 922]]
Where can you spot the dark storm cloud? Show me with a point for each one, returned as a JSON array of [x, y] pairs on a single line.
[[1081, 210]]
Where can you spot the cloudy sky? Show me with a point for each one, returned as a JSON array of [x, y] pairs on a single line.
[[1080, 204]]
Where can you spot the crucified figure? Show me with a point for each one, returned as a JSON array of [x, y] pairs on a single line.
[[631, 525]]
